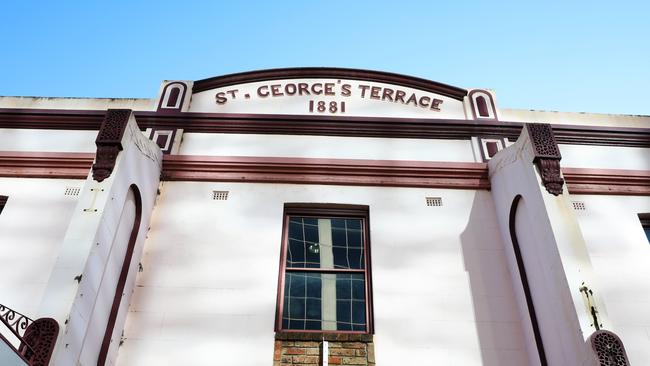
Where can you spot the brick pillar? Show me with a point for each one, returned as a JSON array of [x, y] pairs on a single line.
[[306, 349]]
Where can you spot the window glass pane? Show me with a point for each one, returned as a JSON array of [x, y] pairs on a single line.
[[324, 301], [325, 243], [647, 232]]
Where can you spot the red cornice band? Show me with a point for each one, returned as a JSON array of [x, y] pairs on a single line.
[[323, 125], [327, 171], [45, 164], [322, 171], [607, 181]]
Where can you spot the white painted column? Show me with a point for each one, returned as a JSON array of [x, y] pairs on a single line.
[[554, 255], [82, 285]]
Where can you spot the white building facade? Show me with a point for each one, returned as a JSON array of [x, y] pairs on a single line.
[[321, 216]]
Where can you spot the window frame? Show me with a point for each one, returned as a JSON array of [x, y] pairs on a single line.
[[325, 211], [3, 202], [644, 218]]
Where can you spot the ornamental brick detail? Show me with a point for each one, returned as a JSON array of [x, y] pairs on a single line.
[[109, 142], [608, 348], [310, 353], [547, 156]]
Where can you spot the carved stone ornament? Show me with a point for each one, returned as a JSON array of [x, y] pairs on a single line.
[[41, 335], [109, 142], [547, 156], [608, 348]]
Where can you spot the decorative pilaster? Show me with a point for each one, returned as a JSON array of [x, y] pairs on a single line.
[[547, 156], [109, 142]]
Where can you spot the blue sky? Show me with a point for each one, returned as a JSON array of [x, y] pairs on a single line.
[[569, 55]]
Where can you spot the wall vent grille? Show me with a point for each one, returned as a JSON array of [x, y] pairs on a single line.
[[72, 191], [219, 195], [434, 201], [579, 205]]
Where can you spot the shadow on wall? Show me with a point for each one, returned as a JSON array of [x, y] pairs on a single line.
[[496, 313]]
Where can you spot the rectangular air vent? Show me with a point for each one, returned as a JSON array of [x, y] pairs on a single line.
[[434, 201], [579, 205], [72, 191], [219, 195]]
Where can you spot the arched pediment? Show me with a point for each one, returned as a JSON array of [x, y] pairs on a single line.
[[328, 91], [329, 73]]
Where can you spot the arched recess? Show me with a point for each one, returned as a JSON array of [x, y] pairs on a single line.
[[173, 96], [133, 198], [524, 280], [481, 104]]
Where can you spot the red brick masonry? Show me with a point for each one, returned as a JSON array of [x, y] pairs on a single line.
[[309, 353]]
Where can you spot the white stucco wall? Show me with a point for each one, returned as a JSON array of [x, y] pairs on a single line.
[[47, 140], [326, 147], [605, 157], [136, 104], [442, 292], [32, 226], [575, 118], [620, 253]]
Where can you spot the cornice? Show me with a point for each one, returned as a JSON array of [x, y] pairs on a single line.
[[45, 164], [397, 173], [323, 126], [327, 171], [607, 181]]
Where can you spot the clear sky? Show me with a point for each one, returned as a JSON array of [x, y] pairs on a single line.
[[571, 55]]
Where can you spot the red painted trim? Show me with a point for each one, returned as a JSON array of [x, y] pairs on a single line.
[[323, 126], [330, 125], [121, 283], [326, 171], [329, 73], [322, 171], [607, 181], [51, 119], [45, 164]]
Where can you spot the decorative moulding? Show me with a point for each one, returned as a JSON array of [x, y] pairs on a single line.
[[482, 105], [547, 156], [174, 96], [41, 335], [326, 171], [57, 119], [329, 73], [109, 142], [76, 165], [608, 348]]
